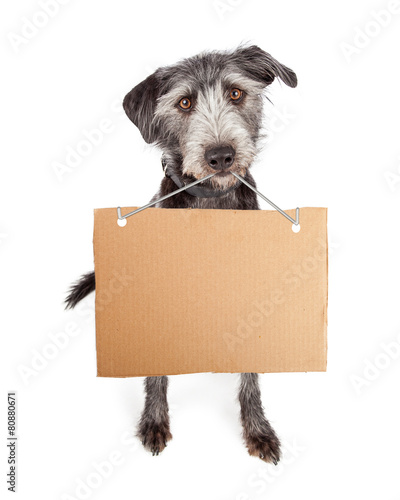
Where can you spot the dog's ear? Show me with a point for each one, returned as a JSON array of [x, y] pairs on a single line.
[[140, 104], [263, 67]]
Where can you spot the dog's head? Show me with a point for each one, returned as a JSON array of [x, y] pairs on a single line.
[[205, 112]]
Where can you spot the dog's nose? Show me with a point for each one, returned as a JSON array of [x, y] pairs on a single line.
[[220, 158]]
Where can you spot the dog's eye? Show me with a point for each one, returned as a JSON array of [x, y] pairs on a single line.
[[236, 94], [185, 103]]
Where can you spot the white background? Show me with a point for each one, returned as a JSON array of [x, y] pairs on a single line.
[[337, 145]]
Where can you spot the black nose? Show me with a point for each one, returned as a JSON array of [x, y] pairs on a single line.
[[220, 158]]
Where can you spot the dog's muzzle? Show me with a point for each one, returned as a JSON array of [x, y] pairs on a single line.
[[198, 191]]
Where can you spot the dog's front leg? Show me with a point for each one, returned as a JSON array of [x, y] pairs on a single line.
[[260, 437], [153, 427]]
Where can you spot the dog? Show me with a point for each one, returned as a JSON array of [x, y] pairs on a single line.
[[205, 114]]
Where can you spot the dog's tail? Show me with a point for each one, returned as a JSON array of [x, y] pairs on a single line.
[[80, 289]]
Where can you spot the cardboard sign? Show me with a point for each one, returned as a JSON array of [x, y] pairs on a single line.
[[188, 291]]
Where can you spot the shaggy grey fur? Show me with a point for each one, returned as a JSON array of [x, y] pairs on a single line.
[[153, 429], [215, 124]]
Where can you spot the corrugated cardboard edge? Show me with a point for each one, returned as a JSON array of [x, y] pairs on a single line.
[[95, 319], [327, 290]]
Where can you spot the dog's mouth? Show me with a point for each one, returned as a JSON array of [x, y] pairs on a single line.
[[224, 179], [221, 179], [223, 173], [226, 173]]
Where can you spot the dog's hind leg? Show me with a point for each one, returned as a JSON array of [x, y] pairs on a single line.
[[153, 429], [260, 437]]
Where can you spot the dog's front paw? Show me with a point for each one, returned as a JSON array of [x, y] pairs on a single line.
[[154, 436], [265, 445]]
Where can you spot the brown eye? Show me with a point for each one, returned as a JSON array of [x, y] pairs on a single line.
[[236, 94], [185, 103]]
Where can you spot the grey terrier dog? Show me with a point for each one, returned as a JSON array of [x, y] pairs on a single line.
[[205, 114]]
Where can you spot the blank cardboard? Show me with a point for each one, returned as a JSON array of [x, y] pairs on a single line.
[[188, 291]]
